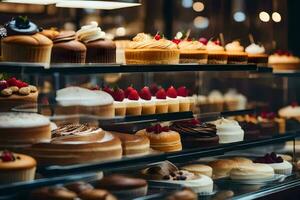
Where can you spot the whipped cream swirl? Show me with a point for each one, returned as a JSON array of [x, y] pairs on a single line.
[[89, 33], [143, 41], [211, 46], [255, 49], [234, 46], [229, 131], [191, 45]]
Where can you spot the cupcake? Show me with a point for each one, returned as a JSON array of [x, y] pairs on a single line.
[[99, 50], [256, 54], [119, 103], [216, 101], [162, 138], [145, 49], [16, 167], [234, 100], [193, 103], [204, 105], [24, 43], [148, 104], [133, 103], [173, 101], [284, 60], [66, 49], [192, 51], [236, 54], [184, 101], [161, 101], [216, 53]]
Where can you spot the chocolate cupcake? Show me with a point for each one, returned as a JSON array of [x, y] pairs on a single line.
[[193, 134], [98, 49], [66, 49]]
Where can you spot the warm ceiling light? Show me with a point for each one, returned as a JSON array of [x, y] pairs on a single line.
[[198, 6], [276, 17], [40, 2], [104, 5], [264, 16]]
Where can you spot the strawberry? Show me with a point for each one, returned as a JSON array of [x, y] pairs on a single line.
[[7, 156], [171, 92], [182, 91], [133, 95], [145, 93], [157, 37], [108, 90], [294, 104], [161, 94], [154, 88], [128, 90], [203, 40], [12, 81], [21, 84], [118, 94], [176, 41], [217, 42], [3, 84]]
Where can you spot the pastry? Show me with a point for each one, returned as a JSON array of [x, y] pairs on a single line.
[[51, 193], [204, 105], [123, 186], [161, 102], [235, 101], [284, 60], [148, 104], [147, 50], [256, 54], [133, 103], [66, 49], [74, 144], [236, 54], [184, 101], [162, 138], [215, 101], [134, 145], [194, 134], [16, 167], [119, 101], [222, 167], [76, 100], [24, 43], [279, 165], [291, 114], [173, 100], [229, 131], [241, 160], [216, 53], [22, 129], [99, 50], [192, 51], [14, 93], [185, 194], [199, 169], [255, 171]]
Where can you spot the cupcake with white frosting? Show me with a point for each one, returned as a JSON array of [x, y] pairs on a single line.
[[99, 50], [229, 131], [256, 54], [216, 53], [236, 53]]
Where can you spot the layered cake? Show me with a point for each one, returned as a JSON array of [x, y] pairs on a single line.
[[133, 102], [145, 49], [250, 126], [284, 60], [76, 100], [77, 143], [216, 53], [279, 165], [255, 171], [161, 102], [256, 54], [162, 138], [123, 186], [134, 145], [194, 134], [173, 100], [184, 101], [199, 169], [99, 50], [236, 53], [16, 167], [24, 43], [14, 92], [148, 104], [229, 131], [21, 129], [268, 124]]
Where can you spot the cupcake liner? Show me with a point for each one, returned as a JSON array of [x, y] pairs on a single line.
[[184, 107], [12, 176], [22, 53], [134, 111], [160, 109], [173, 108], [283, 171], [148, 110], [120, 111]]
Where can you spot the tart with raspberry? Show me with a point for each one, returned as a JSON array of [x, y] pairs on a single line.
[[284, 60], [148, 104], [14, 93], [133, 102]]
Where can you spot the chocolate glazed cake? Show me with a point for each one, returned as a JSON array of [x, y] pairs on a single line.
[[193, 134]]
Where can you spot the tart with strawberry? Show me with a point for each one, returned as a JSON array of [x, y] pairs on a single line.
[[133, 103], [14, 92], [284, 60], [145, 49], [119, 103], [162, 138], [148, 104], [173, 100], [184, 100], [216, 53], [16, 167], [161, 101]]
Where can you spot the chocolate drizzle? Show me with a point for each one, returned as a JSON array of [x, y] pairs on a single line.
[[72, 129], [21, 26]]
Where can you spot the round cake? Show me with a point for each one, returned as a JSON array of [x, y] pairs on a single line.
[[253, 171], [289, 112], [284, 60], [222, 167], [199, 169], [23, 129]]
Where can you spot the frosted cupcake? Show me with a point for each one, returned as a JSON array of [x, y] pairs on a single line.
[[236, 54], [161, 101], [173, 100], [216, 101], [216, 53], [229, 131], [284, 60], [148, 104], [184, 101], [256, 54], [133, 103]]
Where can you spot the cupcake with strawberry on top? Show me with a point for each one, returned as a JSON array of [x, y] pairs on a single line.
[[173, 100], [119, 103], [161, 101], [148, 104], [133, 103], [184, 101]]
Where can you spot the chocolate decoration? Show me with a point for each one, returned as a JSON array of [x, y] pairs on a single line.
[[21, 26], [202, 131]]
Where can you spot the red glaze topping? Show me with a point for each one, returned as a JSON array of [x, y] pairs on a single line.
[[217, 42], [128, 90], [3, 84], [118, 94], [171, 92], [269, 159], [15, 82], [203, 40], [182, 91], [161, 94], [145, 93], [133, 95], [157, 129], [176, 41]]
